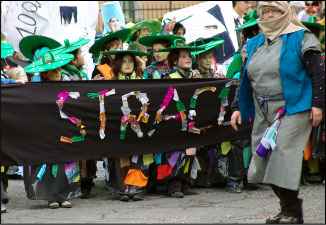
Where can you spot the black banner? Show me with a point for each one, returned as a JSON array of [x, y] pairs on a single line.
[[32, 125]]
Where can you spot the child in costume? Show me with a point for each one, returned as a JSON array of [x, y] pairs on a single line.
[[180, 61], [159, 67], [128, 174], [52, 182], [33, 47], [112, 41], [70, 72], [143, 29], [204, 58]]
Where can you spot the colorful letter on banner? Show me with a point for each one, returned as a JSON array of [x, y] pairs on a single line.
[[102, 117], [180, 107], [132, 119], [62, 98], [192, 111]]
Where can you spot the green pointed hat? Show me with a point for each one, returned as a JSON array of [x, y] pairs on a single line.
[[251, 20], [6, 49], [69, 47], [98, 46], [134, 52], [184, 46], [48, 62], [235, 66], [207, 44], [29, 44], [312, 21], [149, 40]]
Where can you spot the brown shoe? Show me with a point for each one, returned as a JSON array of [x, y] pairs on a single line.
[[290, 220], [275, 219]]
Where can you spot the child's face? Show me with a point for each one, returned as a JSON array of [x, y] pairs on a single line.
[[127, 65], [53, 75], [180, 32], [184, 61], [23, 76], [144, 58], [205, 60], [114, 48], [160, 56], [79, 60], [143, 32]]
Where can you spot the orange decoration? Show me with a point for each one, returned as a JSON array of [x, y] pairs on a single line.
[[65, 139], [183, 116], [106, 71], [308, 151], [136, 177]]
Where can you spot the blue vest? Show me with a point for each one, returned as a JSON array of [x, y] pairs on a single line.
[[296, 83]]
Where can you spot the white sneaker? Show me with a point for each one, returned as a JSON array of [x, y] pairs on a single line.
[[3, 209]]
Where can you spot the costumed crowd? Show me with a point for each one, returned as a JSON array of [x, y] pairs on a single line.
[[280, 71]]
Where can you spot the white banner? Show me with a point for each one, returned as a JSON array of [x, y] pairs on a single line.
[[59, 20], [203, 24]]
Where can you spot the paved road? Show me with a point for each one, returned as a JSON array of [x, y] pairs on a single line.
[[211, 205]]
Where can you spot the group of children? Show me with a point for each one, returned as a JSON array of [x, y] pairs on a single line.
[[153, 53]]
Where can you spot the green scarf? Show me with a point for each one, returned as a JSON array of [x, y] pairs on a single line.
[[75, 71], [184, 73]]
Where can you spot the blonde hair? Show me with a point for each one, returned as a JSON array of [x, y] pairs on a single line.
[[12, 73]]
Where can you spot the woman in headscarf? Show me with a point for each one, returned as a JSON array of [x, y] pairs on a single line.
[[283, 68]]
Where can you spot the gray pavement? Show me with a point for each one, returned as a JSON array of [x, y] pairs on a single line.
[[211, 205]]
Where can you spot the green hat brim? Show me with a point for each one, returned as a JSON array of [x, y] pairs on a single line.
[[153, 25], [248, 24], [6, 49], [149, 40], [70, 47], [191, 49], [321, 27], [234, 67], [209, 46], [27, 44], [98, 46], [134, 52], [39, 66]]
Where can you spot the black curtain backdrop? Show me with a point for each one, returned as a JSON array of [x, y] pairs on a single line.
[[31, 125]]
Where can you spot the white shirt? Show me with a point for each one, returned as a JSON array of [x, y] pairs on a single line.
[[236, 16]]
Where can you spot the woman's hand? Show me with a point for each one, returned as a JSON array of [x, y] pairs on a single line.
[[236, 117], [316, 115]]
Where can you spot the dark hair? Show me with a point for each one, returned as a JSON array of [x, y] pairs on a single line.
[[234, 3], [117, 64], [75, 52], [249, 32], [163, 42], [173, 56], [106, 59], [113, 18], [177, 27]]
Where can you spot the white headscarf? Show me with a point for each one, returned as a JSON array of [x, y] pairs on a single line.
[[287, 23]]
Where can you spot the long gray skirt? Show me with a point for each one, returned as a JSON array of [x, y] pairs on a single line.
[[281, 167]]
